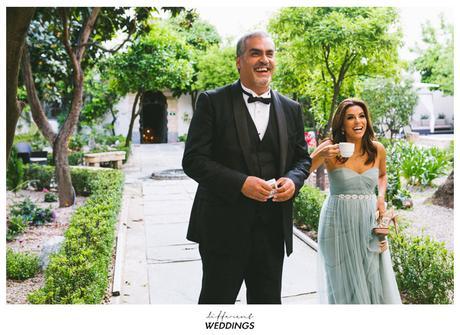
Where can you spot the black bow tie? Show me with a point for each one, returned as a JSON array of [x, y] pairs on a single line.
[[254, 99]]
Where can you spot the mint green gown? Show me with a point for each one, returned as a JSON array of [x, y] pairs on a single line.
[[351, 269]]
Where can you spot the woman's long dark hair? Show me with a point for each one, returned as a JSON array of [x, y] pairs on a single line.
[[337, 128]]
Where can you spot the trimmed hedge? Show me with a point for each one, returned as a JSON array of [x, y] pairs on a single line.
[[21, 265], [307, 207], [424, 269], [41, 176], [78, 273]]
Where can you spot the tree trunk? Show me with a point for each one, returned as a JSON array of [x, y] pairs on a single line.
[[133, 117], [60, 141], [321, 178], [65, 189], [114, 120], [17, 24], [60, 148], [38, 114], [444, 195]]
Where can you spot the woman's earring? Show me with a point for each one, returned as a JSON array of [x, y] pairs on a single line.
[[343, 132]]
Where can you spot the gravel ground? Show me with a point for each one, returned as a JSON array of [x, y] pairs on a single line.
[[428, 219], [18, 290], [33, 239]]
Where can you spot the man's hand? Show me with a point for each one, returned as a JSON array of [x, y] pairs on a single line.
[[285, 189], [256, 188]]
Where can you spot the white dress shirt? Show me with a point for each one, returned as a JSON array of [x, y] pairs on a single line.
[[260, 112]]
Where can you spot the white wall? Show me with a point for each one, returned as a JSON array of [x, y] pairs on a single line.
[[431, 103], [124, 107], [179, 116], [185, 113], [443, 104]]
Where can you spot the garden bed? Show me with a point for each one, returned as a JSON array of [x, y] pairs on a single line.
[[33, 239], [428, 219], [79, 272]]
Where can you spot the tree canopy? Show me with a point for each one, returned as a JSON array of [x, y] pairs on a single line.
[[201, 37], [324, 51], [435, 61], [390, 103], [49, 61], [216, 68], [198, 34], [155, 62], [100, 99]]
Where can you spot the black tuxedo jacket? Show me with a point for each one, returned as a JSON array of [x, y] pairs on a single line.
[[217, 155]]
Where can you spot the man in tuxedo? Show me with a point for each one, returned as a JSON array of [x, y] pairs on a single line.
[[240, 137]]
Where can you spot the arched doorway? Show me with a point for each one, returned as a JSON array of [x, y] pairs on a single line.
[[153, 121]]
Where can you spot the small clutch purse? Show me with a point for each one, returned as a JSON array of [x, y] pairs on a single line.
[[383, 223]]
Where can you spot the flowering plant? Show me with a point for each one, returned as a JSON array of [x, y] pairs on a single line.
[[310, 138]]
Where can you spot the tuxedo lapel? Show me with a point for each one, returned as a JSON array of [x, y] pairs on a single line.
[[282, 130], [240, 114]]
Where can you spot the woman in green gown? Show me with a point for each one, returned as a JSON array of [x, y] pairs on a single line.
[[354, 265]]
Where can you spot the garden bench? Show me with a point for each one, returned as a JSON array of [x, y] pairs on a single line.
[[24, 151], [95, 159]]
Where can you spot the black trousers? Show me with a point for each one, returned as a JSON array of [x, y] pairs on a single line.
[[259, 265]]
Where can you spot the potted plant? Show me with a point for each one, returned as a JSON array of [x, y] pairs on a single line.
[[441, 120], [424, 120]]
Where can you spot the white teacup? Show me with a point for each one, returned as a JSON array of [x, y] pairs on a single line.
[[346, 149]]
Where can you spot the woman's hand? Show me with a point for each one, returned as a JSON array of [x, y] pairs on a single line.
[[383, 245], [381, 205], [329, 151], [325, 151]]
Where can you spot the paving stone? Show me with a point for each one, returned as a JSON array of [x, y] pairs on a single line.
[[173, 253], [168, 197], [162, 208], [171, 234], [165, 268], [167, 219], [175, 283]]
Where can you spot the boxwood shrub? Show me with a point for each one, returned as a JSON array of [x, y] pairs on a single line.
[[424, 269], [21, 265], [40, 176], [78, 273], [307, 207]]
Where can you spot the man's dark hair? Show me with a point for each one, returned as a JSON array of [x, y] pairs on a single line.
[[241, 44]]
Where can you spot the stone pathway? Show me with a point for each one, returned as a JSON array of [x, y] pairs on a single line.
[[162, 267]]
